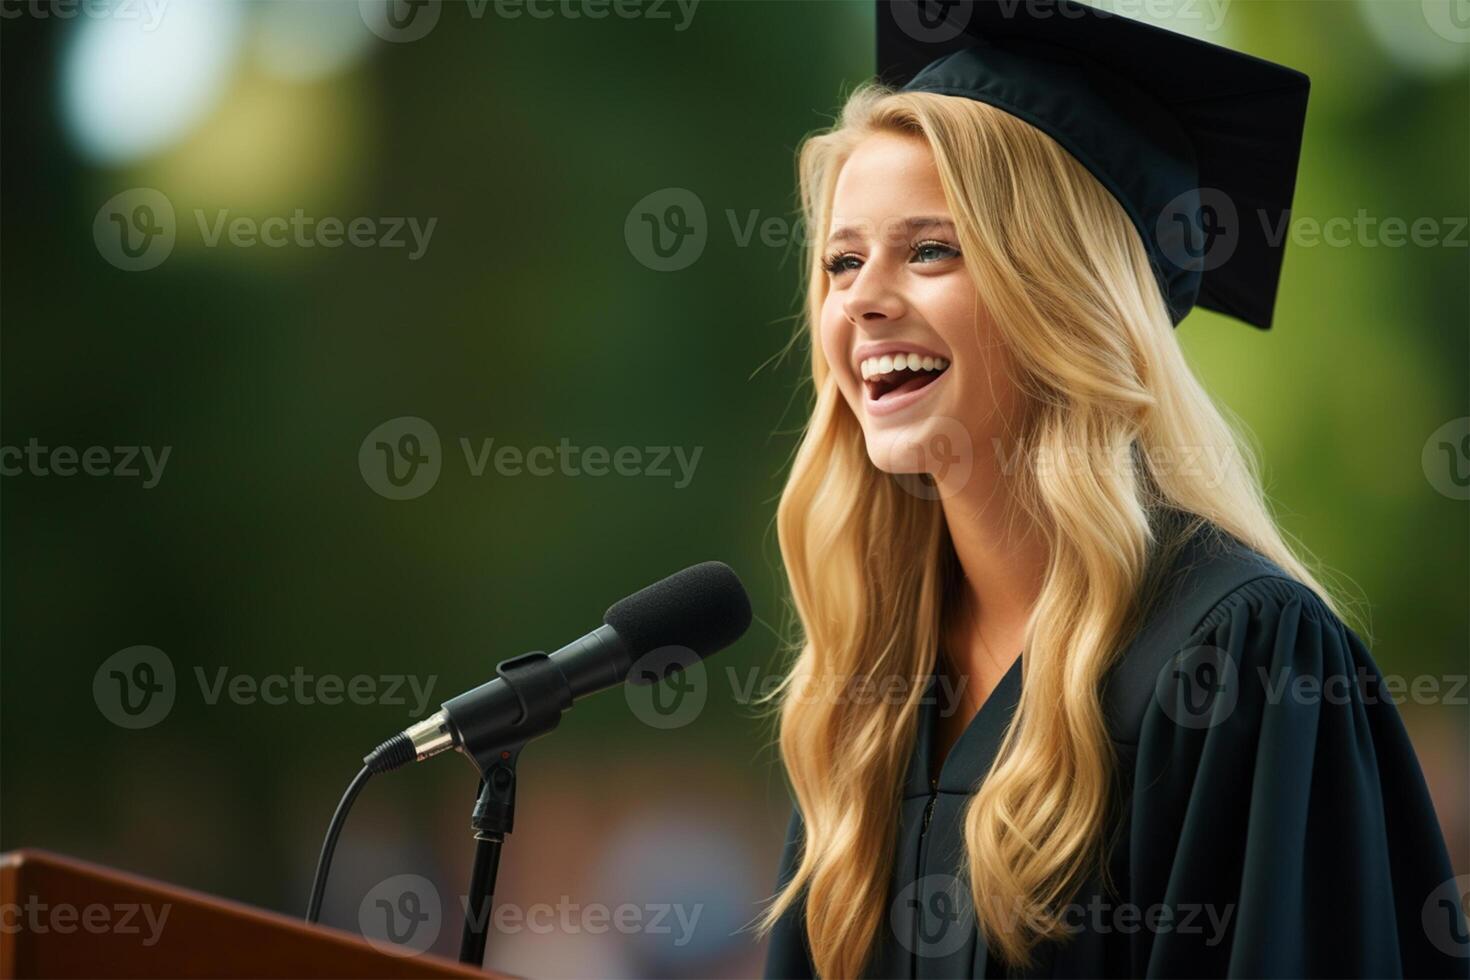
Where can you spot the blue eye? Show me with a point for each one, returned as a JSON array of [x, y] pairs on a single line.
[[929, 247], [936, 251], [834, 262]]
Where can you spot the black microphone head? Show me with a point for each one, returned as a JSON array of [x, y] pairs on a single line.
[[702, 609]]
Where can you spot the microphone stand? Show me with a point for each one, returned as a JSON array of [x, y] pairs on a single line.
[[540, 694], [492, 818]]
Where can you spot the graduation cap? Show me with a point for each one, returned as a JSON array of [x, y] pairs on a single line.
[[1198, 143]]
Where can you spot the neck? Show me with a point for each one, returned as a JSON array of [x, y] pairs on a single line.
[[1003, 557]]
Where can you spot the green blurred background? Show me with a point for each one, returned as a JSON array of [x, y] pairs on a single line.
[[529, 318]]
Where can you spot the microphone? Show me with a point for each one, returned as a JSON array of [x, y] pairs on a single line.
[[662, 628]]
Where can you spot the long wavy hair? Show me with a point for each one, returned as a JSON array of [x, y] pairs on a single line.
[[1070, 290]]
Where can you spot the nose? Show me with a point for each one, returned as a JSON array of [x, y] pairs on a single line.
[[871, 296]]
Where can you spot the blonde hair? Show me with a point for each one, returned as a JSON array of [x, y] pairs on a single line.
[[1070, 290]]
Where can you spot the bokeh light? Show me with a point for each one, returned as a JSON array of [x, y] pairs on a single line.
[[131, 84]]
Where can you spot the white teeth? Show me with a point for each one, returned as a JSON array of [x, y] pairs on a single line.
[[887, 364]]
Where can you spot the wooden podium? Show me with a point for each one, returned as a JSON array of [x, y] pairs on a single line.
[[60, 917]]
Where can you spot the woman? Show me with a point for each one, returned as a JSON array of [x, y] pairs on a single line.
[[1066, 702]]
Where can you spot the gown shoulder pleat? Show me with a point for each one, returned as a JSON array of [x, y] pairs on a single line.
[[1276, 784]]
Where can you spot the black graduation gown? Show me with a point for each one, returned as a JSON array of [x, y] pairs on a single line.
[[1257, 833]]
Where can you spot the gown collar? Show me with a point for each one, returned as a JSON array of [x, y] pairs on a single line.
[[974, 752]]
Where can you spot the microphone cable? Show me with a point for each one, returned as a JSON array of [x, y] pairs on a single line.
[[397, 751]]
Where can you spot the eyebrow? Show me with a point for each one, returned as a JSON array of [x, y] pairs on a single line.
[[851, 232]]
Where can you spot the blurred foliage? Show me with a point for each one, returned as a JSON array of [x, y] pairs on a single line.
[[528, 320]]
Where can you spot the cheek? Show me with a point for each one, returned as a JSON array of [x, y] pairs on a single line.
[[836, 337], [952, 308], [988, 390], [986, 386]]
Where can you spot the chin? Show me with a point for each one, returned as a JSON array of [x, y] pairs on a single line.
[[936, 445], [901, 450]]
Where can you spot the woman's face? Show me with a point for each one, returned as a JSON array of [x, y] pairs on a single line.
[[902, 327]]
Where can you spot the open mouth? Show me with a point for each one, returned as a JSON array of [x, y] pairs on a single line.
[[898, 374]]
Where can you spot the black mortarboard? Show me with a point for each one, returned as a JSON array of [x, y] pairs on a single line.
[[1198, 143]]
